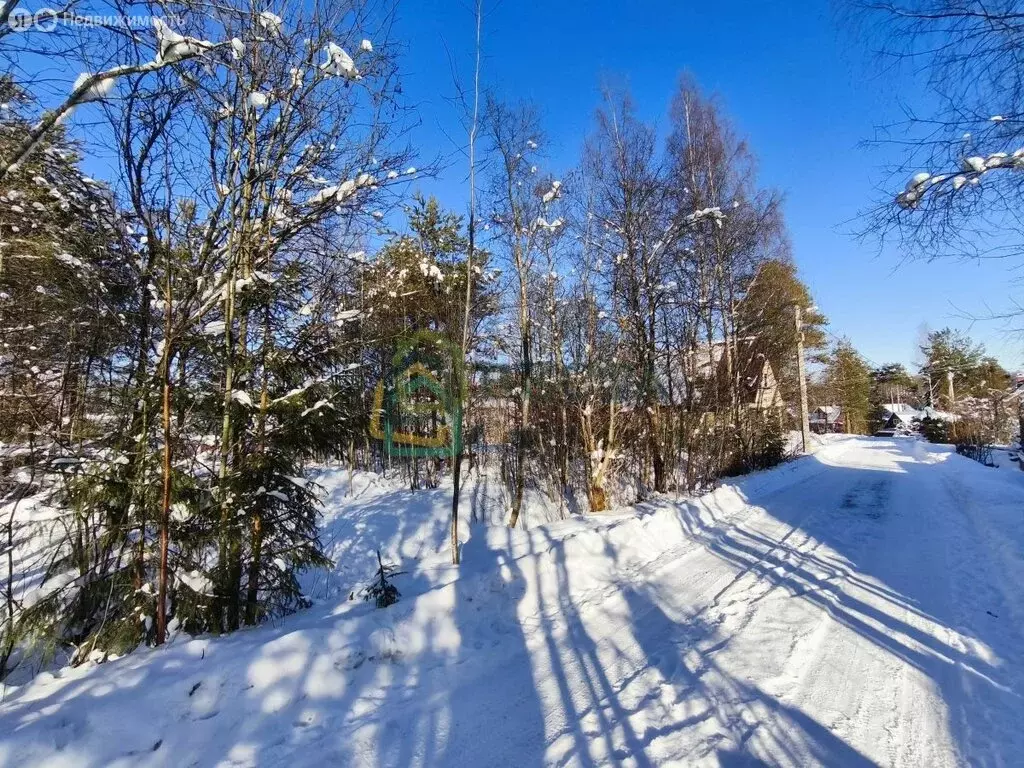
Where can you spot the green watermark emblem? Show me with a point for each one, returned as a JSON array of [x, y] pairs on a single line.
[[417, 407]]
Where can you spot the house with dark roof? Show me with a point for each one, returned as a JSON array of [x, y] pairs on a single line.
[[826, 418]]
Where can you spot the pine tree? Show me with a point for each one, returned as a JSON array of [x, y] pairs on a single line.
[[416, 288], [65, 285], [766, 313], [848, 381], [226, 355]]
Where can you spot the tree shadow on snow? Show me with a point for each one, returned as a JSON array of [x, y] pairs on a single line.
[[552, 648], [894, 555]]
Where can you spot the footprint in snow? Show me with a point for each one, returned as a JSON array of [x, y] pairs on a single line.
[[307, 728], [204, 699], [351, 660], [68, 730]]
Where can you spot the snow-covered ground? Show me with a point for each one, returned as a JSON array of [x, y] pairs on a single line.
[[864, 606], [366, 511]]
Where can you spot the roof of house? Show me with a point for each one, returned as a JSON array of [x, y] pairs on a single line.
[[934, 413], [891, 408], [758, 386], [908, 415], [825, 412], [904, 417]]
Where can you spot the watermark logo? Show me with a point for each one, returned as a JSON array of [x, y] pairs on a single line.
[[23, 20], [47, 19], [417, 409]]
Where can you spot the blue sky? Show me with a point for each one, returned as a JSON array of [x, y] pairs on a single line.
[[799, 88]]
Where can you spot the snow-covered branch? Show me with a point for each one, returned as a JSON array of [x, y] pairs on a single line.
[[970, 173], [171, 49]]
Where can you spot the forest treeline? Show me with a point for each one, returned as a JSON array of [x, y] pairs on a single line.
[[186, 335]]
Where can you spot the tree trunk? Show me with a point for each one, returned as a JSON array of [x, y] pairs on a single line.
[[253, 577], [228, 597], [456, 489], [457, 458], [524, 384]]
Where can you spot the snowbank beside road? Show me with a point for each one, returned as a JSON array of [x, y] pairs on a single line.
[[861, 606]]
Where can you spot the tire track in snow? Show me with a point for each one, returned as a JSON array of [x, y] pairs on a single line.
[[830, 661], [692, 541], [983, 567]]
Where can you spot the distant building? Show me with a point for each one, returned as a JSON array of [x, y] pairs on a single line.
[[900, 416], [758, 387], [826, 418]]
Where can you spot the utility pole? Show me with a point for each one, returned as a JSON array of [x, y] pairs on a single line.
[[805, 427], [949, 378]]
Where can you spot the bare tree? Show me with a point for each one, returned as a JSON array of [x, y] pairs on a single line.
[[517, 199], [954, 192], [474, 121], [170, 48], [628, 183]]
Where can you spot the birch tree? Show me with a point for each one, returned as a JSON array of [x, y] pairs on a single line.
[[517, 198]]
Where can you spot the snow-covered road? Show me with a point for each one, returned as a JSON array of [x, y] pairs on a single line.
[[864, 606]]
